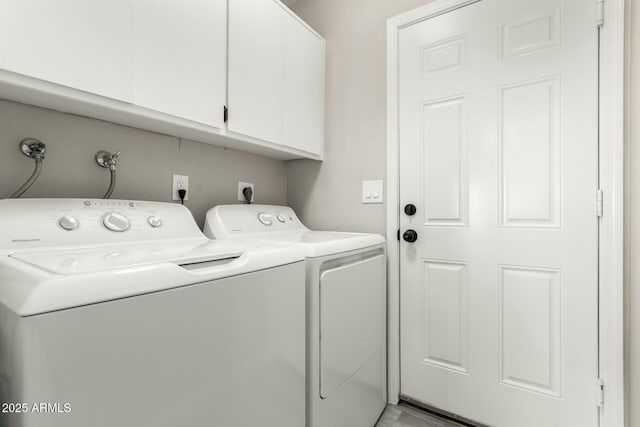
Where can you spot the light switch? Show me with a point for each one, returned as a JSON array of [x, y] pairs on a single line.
[[372, 191]]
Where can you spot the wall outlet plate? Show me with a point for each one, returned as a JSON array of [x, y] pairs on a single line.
[[180, 182], [372, 191], [243, 185]]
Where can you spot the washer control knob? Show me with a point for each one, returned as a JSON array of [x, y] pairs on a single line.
[[281, 218], [154, 221], [68, 223], [115, 221], [265, 218]]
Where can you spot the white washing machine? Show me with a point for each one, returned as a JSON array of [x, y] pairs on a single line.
[[346, 309], [122, 313]]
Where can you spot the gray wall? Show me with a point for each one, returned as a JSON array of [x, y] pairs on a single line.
[[145, 168], [328, 195]]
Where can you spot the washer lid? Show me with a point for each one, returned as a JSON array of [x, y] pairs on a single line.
[[93, 260], [36, 282]]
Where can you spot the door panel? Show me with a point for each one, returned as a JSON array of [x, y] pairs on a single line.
[[445, 162], [529, 154], [498, 151], [445, 323], [530, 329]]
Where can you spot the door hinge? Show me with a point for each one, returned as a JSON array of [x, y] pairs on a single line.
[[599, 13], [600, 391], [226, 114], [398, 235], [600, 201]]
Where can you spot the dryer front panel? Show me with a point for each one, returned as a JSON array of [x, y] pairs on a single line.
[[352, 320]]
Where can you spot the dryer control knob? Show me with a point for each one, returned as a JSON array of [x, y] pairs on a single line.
[[68, 223], [115, 221], [281, 218], [154, 221], [265, 218]]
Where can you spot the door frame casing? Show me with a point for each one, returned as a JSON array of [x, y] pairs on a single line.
[[611, 178]]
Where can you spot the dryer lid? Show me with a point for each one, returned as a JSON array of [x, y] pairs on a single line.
[[280, 224], [322, 243]]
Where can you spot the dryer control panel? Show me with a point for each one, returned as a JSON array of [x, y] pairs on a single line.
[[234, 220], [60, 222]]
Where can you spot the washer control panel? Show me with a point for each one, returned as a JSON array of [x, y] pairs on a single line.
[[112, 220], [32, 222]]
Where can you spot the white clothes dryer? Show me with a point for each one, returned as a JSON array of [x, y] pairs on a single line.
[[346, 309], [122, 313]]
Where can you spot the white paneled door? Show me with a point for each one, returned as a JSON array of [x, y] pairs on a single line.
[[498, 124]]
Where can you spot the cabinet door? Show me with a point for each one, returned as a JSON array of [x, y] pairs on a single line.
[[77, 43], [256, 45], [180, 58], [303, 88]]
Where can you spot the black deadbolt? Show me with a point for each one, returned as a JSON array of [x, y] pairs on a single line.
[[410, 209], [410, 236]]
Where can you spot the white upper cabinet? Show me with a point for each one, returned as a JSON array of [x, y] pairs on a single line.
[[81, 44], [180, 58], [256, 69], [276, 76], [171, 66], [303, 87]]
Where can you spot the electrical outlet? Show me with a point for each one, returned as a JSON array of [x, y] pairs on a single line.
[[242, 186], [180, 182]]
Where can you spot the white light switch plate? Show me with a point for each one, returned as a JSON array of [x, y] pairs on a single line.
[[372, 191]]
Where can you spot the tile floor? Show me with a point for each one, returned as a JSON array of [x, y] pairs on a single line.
[[405, 416]]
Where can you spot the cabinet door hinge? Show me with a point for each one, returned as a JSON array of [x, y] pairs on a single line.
[[600, 392], [599, 13], [600, 201], [226, 114]]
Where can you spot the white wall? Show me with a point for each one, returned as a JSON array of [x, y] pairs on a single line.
[[327, 196], [145, 168]]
